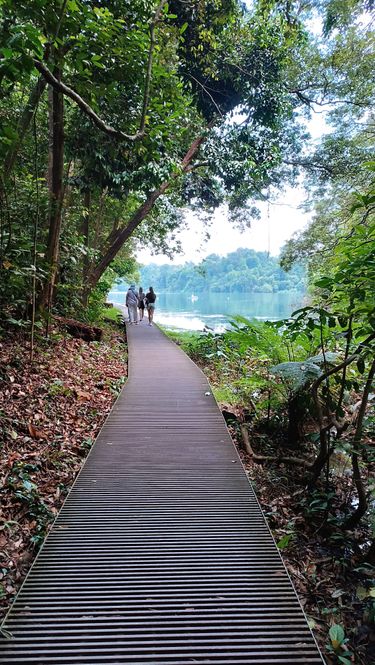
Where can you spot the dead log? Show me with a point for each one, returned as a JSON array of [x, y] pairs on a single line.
[[81, 330]]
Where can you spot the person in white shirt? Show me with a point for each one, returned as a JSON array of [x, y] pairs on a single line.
[[132, 304]]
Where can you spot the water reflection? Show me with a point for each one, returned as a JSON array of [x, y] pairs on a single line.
[[214, 309]]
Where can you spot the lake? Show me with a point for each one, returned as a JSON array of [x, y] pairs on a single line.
[[184, 312]]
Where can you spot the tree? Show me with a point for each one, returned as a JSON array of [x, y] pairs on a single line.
[[181, 76]]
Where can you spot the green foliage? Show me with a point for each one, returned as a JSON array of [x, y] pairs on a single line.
[[242, 271], [298, 375], [208, 60], [16, 258], [112, 314], [285, 541], [120, 268], [242, 359], [337, 644], [26, 491], [337, 635]]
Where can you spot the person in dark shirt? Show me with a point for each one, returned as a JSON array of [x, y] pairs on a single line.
[[150, 304], [141, 303]]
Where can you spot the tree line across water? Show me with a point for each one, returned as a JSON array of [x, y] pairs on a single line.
[[242, 271]]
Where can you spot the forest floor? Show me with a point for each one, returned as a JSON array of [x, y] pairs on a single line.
[[334, 584], [51, 410], [50, 413]]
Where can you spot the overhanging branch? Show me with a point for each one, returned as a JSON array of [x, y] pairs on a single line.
[[88, 110], [83, 105]]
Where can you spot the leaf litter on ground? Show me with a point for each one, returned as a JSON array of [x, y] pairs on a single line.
[[50, 413]]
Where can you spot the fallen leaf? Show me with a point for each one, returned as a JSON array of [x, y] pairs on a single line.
[[82, 395], [36, 433]]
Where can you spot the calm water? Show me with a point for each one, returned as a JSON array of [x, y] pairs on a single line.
[[214, 309]]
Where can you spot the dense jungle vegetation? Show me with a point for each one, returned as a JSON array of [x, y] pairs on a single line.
[[242, 271], [115, 116]]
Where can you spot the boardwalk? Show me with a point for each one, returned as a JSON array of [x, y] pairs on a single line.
[[160, 555]]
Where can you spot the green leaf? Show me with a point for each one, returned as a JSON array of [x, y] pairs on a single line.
[[183, 28], [361, 365], [323, 282], [284, 541], [361, 592], [328, 357], [7, 52], [344, 660], [337, 635], [72, 6], [28, 485]]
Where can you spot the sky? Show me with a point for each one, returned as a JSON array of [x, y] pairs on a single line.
[[278, 222], [269, 233]]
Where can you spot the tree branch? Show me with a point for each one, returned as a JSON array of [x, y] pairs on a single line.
[[124, 234], [323, 429], [146, 95], [344, 363], [84, 106], [207, 92], [354, 519]]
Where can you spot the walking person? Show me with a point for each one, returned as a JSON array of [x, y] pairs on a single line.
[[150, 303], [132, 304], [141, 303]]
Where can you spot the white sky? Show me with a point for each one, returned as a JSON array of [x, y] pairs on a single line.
[[277, 224]]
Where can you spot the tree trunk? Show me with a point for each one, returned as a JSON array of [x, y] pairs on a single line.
[[318, 466], [296, 415], [124, 234], [354, 519], [85, 230], [56, 167]]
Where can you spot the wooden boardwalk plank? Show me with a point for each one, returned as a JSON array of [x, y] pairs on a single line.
[[161, 554]]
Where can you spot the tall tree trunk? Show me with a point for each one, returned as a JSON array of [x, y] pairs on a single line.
[[124, 234], [85, 230], [56, 166], [296, 415]]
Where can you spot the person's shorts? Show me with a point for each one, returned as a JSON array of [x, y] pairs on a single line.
[[151, 305]]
